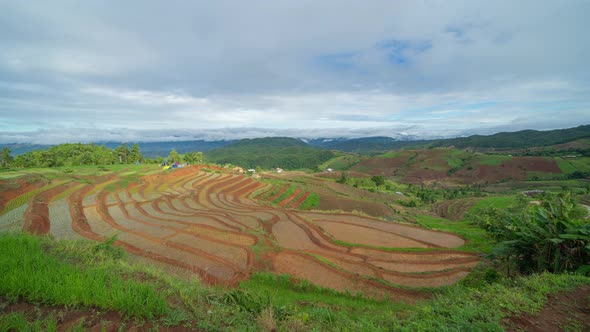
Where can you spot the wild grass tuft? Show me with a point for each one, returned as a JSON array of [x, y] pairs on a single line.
[[17, 321], [28, 272]]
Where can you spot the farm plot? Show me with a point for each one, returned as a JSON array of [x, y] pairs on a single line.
[[207, 223]]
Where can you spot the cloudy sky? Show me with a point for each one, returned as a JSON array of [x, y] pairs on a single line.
[[174, 70]]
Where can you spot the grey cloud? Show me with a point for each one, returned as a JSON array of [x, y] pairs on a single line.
[[141, 67]]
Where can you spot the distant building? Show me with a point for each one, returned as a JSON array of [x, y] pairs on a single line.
[[238, 170], [252, 170], [279, 170], [329, 170], [532, 193]]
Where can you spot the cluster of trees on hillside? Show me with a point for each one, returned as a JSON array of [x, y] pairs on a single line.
[[77, 154], [74, 154], [175, 157]]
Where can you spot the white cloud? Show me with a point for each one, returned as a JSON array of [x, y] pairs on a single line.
[[301, 65]]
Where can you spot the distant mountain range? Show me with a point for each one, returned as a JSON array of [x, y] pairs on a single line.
[[501, 141]]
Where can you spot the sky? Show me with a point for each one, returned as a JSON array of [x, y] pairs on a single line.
[[141, 70]]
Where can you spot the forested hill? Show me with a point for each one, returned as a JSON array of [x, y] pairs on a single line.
[[501, 141], [517, 140], [270, 152]]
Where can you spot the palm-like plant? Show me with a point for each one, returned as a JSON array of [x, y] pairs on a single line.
[[548, 238]]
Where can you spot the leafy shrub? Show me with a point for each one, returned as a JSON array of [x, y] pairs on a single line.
[[551, 237], [378, 179]]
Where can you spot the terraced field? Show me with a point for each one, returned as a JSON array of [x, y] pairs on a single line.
[[206, 222]]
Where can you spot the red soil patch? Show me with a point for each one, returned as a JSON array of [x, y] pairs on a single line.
[[533, 164], [427, 238], [425, 266], [369, 236], [332, 202], [11, 189], [302, 266], [423, 175], [299, 201], [516, 168], [337, 175], [277, 195], [454, 209], [291, 197], [562, 311], [423, 166], [37, 214], [380, 166]]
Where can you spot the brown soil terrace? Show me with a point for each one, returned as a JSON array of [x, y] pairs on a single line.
[[207, 223]]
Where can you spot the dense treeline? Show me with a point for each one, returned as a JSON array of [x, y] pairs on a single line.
[[73, 154], [272, 152], [78, 154]]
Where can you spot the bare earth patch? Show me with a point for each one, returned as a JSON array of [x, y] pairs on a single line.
[[568, 311]]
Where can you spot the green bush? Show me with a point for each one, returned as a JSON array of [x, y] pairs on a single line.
[[551, 237]]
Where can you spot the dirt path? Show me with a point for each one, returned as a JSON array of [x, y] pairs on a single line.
[[568, 311]]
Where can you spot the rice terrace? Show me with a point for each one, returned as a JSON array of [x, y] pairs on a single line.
[[206, 220]]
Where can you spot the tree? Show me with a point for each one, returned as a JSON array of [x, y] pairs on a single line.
[[123, 153], [194, 157], [135, 154], [343, 178], [5, 158], [378, 179], [174, 157]]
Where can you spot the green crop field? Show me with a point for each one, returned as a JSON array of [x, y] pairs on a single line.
[[570, 165], [491, 159], [493, 202]]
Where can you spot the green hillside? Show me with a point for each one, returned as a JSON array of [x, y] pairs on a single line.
[[524, 139], [270, 152], [518, 139]]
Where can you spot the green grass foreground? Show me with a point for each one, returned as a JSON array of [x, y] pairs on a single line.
[[84, 274], [27, 272]]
